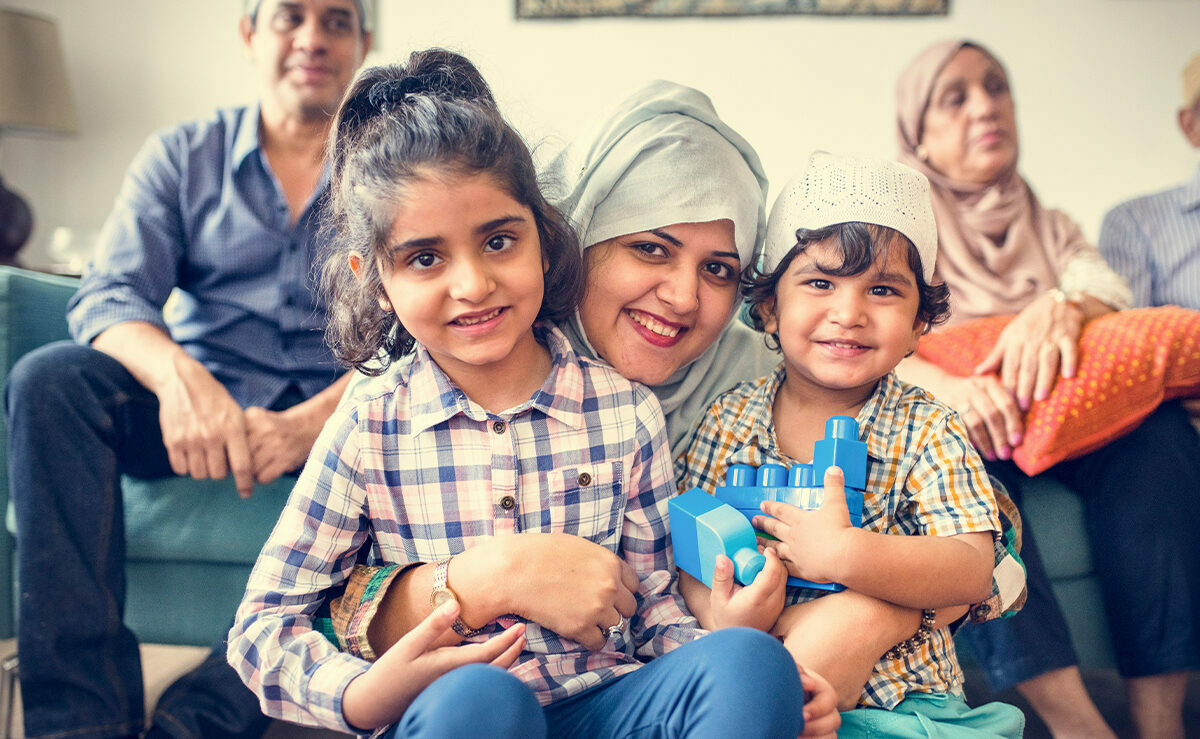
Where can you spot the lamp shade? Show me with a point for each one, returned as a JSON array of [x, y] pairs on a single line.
[[34, 93]]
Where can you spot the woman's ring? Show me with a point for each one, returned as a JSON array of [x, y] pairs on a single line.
[[616, 629]]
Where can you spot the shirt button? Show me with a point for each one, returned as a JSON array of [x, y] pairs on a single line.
[[498, 427], [508, 503], [584, 479]]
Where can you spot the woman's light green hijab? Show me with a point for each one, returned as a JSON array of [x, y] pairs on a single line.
[[663, 157]]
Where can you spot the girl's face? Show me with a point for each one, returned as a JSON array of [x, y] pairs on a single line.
[[463, 273], [969, 131], [656, 300], [839, 335]]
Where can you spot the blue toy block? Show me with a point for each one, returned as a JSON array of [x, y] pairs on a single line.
[[746, 488], [703, 527]]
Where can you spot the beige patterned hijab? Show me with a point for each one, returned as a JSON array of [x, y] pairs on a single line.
[[998, 248]]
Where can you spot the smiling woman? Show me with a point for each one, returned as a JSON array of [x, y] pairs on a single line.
[[668, 201]]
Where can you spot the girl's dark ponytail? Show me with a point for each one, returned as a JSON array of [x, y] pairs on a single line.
[[434, 72]]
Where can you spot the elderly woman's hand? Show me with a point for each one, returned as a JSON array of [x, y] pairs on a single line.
[[1036, 346], [995, 424]]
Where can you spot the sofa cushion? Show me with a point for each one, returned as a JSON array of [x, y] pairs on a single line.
[[181, 519], [1055, 513], [1129, 362]]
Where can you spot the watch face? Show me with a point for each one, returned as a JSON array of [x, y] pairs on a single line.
[[442, 596]]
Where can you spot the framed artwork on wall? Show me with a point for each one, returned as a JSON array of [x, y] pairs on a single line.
[[650, 8]]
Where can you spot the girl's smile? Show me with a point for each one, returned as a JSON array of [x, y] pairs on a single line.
[[656, 300], [479, 321]]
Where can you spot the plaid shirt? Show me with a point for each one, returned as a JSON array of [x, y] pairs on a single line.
[[923, 479], [413, 471]]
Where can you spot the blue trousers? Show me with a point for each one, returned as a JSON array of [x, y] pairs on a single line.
[[77, 420], [1138, 495], [734, 682]]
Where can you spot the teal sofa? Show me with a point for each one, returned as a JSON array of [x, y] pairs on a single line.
[[190, 543]]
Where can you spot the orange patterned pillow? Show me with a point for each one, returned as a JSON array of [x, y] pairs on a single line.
[[1129, 362]]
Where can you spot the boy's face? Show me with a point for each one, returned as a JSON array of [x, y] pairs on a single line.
[[840, 335]]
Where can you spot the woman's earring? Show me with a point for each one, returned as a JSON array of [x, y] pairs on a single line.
[[922, 153]]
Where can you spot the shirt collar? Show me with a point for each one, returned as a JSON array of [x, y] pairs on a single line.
[[876, 421], [433, 398], [246, 140], [1191, 192]]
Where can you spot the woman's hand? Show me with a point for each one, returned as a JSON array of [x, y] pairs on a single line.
[[1040, 343], [570, 585], [995, 423], [382, 694], [821, 717], [756, 605]]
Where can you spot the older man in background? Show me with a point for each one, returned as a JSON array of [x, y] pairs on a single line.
[[236, 381], [1154, 241]]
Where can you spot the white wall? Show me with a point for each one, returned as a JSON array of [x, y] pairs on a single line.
[[1096, 84]]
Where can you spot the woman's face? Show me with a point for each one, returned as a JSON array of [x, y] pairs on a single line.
[[969, 132], [656, 300]]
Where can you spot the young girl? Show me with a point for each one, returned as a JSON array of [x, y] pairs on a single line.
[[844, 291], [490, 426]]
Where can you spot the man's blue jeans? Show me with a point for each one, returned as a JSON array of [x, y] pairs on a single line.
[[1138, 493], [733, 682], [77, 420]]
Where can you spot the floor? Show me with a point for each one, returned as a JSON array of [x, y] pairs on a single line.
[[1107, 691], [161, 664]]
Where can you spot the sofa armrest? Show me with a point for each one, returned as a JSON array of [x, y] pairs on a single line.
[[33, 309]]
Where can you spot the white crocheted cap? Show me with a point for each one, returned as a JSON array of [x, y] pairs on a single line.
[[836, 189]]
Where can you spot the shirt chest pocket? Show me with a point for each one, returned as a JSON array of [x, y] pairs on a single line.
[[587, 501]]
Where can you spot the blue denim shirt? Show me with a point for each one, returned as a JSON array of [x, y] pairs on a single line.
[[201, 211]]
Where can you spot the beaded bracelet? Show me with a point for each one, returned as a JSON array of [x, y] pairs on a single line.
[[914, 642]]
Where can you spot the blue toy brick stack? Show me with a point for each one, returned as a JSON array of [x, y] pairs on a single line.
[[703, 527], [746, 487]]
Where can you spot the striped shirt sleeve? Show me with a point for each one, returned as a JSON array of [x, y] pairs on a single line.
[[1125, 247], [297, 673]]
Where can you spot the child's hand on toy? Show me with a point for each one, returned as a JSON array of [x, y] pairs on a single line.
[[756, 605], [382, 694], [821, 717], [810, 542]]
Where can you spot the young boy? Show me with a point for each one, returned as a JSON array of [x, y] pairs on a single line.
[[844, 291]]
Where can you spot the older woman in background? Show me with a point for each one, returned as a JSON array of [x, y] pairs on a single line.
[[1002, 252]]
